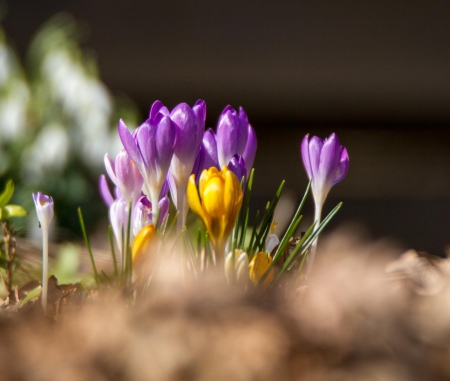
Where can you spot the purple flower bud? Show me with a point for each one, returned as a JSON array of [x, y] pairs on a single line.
[[326, 163], [237, 166], [125, 175], [232, 133], [105, 193], [151, 149], [250, 148], [44, 208], [190, 125]]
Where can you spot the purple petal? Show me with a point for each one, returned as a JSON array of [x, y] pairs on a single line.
[[157, 107], [165, 141], [188, 135], [105, 193], [109, 166], [199, 163], [304, 148], [210, 150], [237, 166], [315, 147], [242, 132], [329, 158], [145, 139], [342, 167], [164, 188], [228, 129], [200, 111], [129, 144], [250, 148], [163, 209], [125, 174]]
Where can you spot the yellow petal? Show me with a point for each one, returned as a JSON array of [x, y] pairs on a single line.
[[212, 197], [258, 267], [205, 176], [232, 199], [194, 200], [143, 244]]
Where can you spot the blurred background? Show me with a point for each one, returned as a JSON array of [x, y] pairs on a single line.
[[376, 73]]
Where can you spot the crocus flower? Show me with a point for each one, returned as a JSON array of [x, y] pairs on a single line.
[[151, 148], [326, 163], [143, 214], [218, 205], [234, 145], [44, 210], [189, 126], [125, 175], [258, 267]]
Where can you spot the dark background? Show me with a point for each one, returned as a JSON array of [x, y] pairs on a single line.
[[375, 72]]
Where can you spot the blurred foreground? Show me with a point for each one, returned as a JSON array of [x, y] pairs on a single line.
[[364, 314]]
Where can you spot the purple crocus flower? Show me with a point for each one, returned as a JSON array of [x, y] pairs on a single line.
[[105, 193], [125, 176], [232, 133], [209, 145], [189, 126], [143, 214], [151, 148], [44, 208], [326, 163]]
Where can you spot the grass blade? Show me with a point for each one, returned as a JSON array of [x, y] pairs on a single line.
[[88, 245]]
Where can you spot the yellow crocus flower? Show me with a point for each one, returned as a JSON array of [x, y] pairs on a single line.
[[217, 203], [258, 267]]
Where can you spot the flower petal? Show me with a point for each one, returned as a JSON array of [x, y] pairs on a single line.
[[304, 148], [342, 167], [129, 144], [105, 193]]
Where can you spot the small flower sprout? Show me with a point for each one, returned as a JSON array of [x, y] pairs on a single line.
[[218, 206], [44, 210], [258, 267], [326, 163]]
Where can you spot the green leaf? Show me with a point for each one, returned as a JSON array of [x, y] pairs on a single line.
[[34, 293], [9, 211], [7, 193]]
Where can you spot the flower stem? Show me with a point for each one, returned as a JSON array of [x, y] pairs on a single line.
[[181, 206], [312, 254], [44, 267]]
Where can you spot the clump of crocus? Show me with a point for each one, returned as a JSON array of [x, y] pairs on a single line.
[[326, 163], [44, 210], [258, 267], [218, 205], [144, 245]]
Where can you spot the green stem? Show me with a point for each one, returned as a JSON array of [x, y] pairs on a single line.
[[312, 254]]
